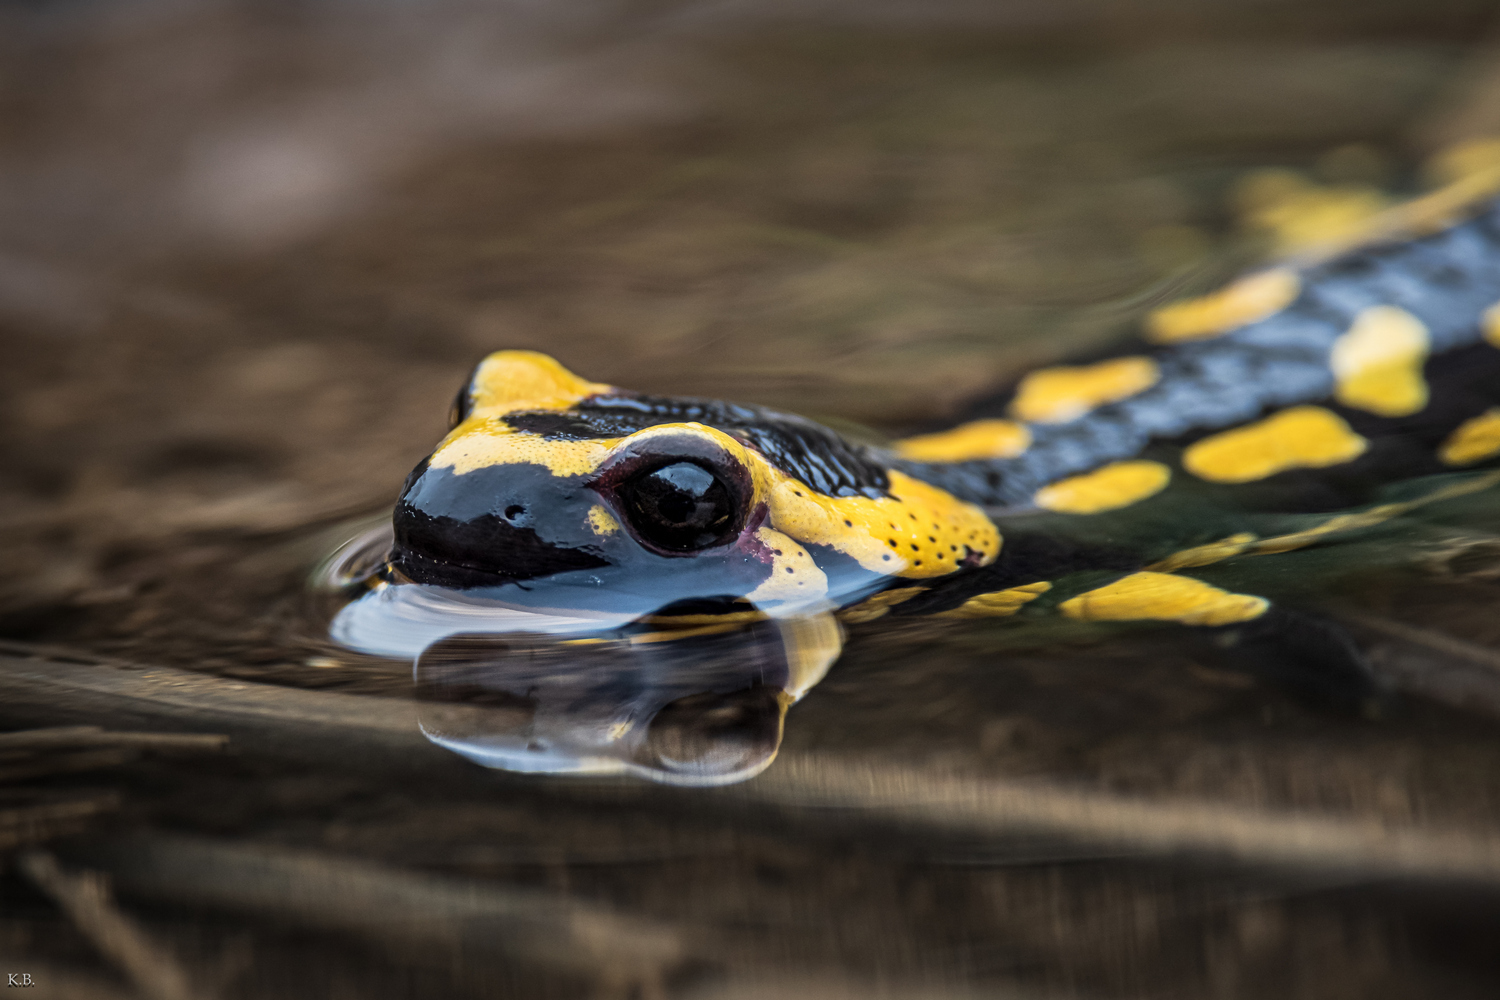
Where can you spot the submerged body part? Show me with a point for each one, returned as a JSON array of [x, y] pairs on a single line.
[[630, 538]]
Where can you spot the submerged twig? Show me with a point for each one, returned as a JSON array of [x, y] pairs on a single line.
[[88, 902], [441, 917], [1431, 664], [928, 799], [367, 731], [69, 763], [26, 825], [91, 736]]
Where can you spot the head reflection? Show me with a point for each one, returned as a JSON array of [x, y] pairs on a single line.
[[693, 706]]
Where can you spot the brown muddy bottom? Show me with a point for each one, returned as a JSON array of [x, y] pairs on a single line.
[[247, 254]]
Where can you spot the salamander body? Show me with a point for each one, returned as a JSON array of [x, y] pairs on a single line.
[[1304, 404]]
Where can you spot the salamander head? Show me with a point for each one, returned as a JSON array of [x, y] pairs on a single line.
[[560, 495]]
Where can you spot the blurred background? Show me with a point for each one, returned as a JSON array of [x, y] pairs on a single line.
[[249, 250]]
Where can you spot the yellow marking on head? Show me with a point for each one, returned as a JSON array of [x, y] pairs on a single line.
[[1301, 437], [1205, 555], [1111, 487], [794, 576], [878, 605], [512, 381], [978, 439], [1252, 298], [481, 442], [1000, 604], [918, 531], [1164, 597], [602, 521], [1489, 325], [1474, 440], [1057, 395], [1378, 362]]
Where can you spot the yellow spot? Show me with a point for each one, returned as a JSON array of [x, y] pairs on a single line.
[[878, 605], [1464, 160], [1116, 485], [1489, 325], [1252, 298], [512, 381], [728, 617], [1303, 216], [673, 634], [480, 442], [602, 521], [918, 531], [1057, 395], [979, 439], [1302, 437], [794, 577], [1469, 174], [1474, 440], [1205, 555], [1000, 604], [1378, 363], [1164, 597]]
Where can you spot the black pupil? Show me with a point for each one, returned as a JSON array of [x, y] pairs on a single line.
[[681, 506]]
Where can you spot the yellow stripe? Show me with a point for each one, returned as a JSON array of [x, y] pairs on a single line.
[[1164, 597], [1000, 604], [480, 442], [878, 605], [1205, 555], [1369, 518]]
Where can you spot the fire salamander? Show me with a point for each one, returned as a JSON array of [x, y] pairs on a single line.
[[711, 548]]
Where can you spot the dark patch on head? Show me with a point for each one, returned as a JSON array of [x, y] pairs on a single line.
[[476, 530], [800, 448], [446, 552]]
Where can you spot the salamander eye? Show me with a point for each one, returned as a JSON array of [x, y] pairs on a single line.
[[680, 507]]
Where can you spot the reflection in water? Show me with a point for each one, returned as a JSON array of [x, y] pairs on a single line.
[[523, 691]]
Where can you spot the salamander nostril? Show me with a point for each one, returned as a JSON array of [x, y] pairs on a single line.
[[514, 511]]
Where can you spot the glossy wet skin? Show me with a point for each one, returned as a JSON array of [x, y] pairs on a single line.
[[545, 496], [1284, 414]]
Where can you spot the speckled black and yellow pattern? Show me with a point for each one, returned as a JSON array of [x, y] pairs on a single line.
[[1368, 367], [1274, 416]]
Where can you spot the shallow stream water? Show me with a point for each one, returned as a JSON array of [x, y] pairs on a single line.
[[247, 254]]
